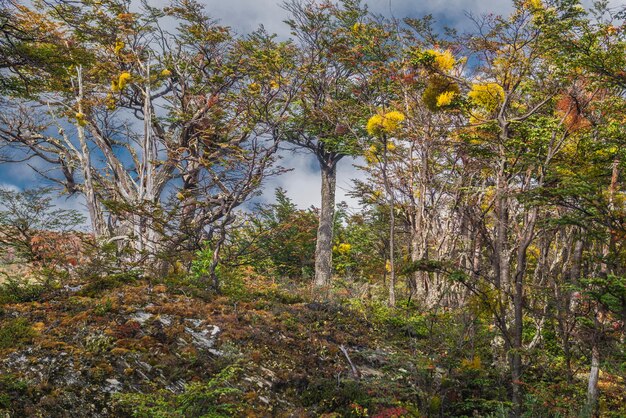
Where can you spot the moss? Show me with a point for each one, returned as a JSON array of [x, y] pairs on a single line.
[[98, 285], [15, 332], [12, 389], [18, 291]]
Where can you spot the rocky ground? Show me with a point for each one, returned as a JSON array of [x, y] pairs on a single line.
[[143, 349]]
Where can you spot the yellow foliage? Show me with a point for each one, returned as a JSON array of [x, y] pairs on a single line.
[[119, 45], [472, 364], [110, 102], [370, 154], [444, 60], [392, 120], [534, 4], [375, 125], [387, 123], [80, 119], [166, 73], [487, 95], [357, 28], [445, 98], [344, 248], [254, 88], [437, 85], [123, 80]]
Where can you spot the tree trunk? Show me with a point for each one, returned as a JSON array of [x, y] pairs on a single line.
[[594, 374], [392, 226], [324, 243]]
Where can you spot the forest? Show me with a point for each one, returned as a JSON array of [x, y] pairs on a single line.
[[482, 274]]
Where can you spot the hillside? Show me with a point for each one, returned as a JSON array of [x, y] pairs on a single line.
[[111, 349]]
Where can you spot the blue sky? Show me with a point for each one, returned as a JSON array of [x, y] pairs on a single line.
[[302, 184]]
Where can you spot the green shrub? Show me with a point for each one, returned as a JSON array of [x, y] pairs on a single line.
[[99, 284], [12, 389], [200, 399], [103, 308], [328, 395], [15, 332], [14, 290]]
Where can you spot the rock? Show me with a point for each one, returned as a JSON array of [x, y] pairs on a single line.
[[204, 338]]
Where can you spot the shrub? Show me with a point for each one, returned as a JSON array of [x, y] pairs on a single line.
[[15, 332], [13, 290], [200, 399]]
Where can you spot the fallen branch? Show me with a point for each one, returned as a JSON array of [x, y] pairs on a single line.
[[355, 372]]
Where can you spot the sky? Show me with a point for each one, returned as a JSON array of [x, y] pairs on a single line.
[[303, 183]]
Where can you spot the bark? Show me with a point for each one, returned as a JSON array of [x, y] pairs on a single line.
[[594, 374], [98, 224], [518, 313], [392, 228], [324, 243]]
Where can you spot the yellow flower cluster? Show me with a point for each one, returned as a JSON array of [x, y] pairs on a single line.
[[344, 248], [387, 123], [487, 95], [119, 45], [80, 119], [445, 98], [444, 60], [122, 81]]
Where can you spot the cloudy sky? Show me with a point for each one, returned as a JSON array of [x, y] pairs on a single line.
[[302, 184]]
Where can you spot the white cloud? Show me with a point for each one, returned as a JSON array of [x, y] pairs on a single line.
[[303, 182]]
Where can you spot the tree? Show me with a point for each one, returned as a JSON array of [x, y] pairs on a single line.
[[27, 218], [337, 48], [163, 133]]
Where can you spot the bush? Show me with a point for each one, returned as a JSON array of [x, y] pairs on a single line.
[[17, 291], [15, 332], [12, 390], [200, 399]]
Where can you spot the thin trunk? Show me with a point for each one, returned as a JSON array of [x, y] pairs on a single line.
[[594, 374], [324, 244], [98, 225], [392, 226], [414, 278], [215, 258]]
